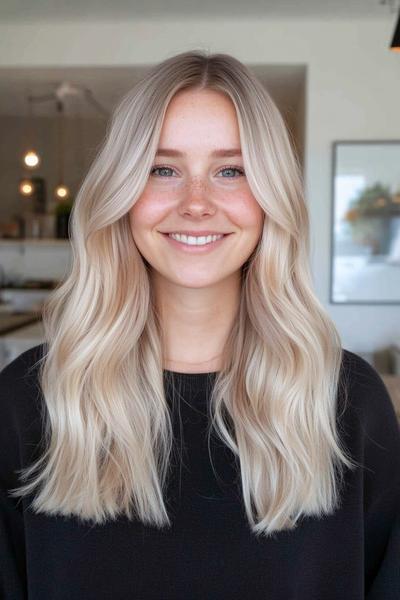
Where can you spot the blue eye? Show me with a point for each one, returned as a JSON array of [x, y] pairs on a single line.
[[160, 169], [165, 169], [233, 169]]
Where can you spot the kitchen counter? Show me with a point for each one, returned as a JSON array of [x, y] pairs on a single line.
[[10, 321]]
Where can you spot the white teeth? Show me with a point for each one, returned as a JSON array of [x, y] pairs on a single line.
[[194, 240]]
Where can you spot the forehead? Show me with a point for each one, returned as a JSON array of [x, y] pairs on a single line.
[[199, 120]]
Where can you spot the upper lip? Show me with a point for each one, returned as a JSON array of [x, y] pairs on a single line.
[[198, 233]]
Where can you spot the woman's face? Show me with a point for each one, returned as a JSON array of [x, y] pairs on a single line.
[[196, 187]]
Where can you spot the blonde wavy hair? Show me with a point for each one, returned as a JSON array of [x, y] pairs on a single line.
[[274, 402]]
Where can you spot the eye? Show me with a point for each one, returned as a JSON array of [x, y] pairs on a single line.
[[164, 170], [230, 168], [160, 168]]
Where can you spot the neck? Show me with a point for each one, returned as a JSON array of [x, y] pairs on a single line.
[[214, 364], [195, 322]]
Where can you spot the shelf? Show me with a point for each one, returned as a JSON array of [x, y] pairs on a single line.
[[9, 323], [34, 242]]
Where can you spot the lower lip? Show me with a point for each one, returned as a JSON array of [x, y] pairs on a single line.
[[195, 249]]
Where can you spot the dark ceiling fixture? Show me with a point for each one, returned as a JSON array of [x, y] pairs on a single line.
[[395, 45], [394, 7]]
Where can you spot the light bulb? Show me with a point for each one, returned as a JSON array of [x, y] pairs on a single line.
[[31, 159], [62, 191], [26, 187]]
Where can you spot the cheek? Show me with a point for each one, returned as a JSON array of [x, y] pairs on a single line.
[[246, 212], [146, 213]]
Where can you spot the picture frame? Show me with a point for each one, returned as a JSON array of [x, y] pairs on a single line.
[[365, 222]]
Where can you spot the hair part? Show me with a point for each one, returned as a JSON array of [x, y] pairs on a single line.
[[274, 403]]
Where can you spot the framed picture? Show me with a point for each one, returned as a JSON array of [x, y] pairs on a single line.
[[365, 218]]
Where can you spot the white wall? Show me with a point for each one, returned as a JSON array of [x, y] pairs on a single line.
[[353, 93]]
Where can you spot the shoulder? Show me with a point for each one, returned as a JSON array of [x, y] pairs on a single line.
[[19, 387], [20, 390], [22, 365], [359, 372], [372, 426], [19, 379], [20, 412], [20, 376], [367, 395]]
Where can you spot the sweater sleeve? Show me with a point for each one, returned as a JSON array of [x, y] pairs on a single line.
[[12, 536], [381, 477], [12, 562]]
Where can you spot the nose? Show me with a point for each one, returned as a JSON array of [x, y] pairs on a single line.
[[197, 197]]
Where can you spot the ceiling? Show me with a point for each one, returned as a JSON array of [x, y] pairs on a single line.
[[108, 84], [22, 11], [286, 83]]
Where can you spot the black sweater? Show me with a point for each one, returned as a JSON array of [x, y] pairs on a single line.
[[209, 553]]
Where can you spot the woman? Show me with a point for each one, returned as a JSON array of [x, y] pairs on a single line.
[[191, 427]]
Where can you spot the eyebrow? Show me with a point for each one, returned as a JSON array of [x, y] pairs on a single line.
[[221, 152]]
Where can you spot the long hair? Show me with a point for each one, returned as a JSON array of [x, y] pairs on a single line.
[[274, 403]]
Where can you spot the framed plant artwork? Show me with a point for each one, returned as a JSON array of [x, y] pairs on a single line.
[[365, 218]]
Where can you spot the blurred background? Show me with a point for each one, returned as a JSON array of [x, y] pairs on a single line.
[[332, 67]]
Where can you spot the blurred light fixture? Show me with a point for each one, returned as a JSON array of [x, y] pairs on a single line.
[[61, 191], [394, 6], [25, 187], [395, 45], [62, 91], [31, 157]]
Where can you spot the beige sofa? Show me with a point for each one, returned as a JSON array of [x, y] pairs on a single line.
[[392, 383]]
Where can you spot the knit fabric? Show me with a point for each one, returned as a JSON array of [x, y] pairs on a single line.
[[209, 552]]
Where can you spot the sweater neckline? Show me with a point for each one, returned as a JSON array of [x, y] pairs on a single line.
[[204, 374], [190, 379]]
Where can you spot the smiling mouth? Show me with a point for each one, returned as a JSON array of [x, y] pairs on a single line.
[[192, 234], [196, 246]]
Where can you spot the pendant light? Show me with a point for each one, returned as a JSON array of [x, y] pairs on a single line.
[[61, 192], [395, 45], [25, 187], [31, 157]]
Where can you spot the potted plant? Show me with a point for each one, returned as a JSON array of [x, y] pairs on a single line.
[[369, 216]]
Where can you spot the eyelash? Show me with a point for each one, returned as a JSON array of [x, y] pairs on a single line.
[[241, 171]]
